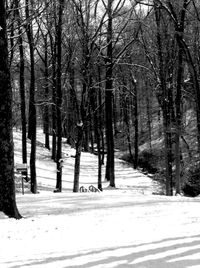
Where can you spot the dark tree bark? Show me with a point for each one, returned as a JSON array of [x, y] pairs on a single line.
[[12, 26], [136, 143], [7, 185], [110, 164], [163, 99], [149, 115], [22, 85], [80, 134], [98, 139], [96, 121], [54, 96], [179, 32], [125, 99], [46, 93], [78, 156], [101, 120], [71, 105], [82, 122], [32, 107], [59, 97]]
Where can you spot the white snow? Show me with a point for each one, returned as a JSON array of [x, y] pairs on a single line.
[[125, 227]]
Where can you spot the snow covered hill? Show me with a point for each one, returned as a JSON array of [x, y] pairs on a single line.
[[124, 227], [126, 176]]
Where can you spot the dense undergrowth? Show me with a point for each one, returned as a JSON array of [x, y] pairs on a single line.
[[151, 155]]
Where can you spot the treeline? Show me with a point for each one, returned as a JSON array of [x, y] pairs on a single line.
[[90, 70]]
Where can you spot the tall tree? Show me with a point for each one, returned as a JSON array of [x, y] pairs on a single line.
[[32, 106], [59, 96], [46, 93], [164, 101], [7, 185], [110, 165], [88, 35], [54, 96], [117, 21], [83, 14], [22, 83], [136, 141], [179, 84]]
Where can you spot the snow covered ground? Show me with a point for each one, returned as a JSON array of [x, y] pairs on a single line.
[[125, 227]]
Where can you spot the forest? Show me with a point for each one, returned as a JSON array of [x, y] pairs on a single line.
[[105, 76]]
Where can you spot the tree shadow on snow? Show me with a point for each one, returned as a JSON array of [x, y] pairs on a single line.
[[166, 253]]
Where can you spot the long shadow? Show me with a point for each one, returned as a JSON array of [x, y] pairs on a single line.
[[84, 202], [108, 256], [81, 203]]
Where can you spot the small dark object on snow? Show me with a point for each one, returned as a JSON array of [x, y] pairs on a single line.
[[57, 190], [92, 188], [83, 189]]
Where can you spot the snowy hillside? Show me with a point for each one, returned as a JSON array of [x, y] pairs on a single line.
[[126, 176], [125, 227]]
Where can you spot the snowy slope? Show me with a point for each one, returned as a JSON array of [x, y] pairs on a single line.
[[126, 176], [126, 227]]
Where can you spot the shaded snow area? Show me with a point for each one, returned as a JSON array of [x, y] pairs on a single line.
[[123, 227]]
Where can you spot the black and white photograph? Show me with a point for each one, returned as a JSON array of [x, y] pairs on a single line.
[[99, 134]]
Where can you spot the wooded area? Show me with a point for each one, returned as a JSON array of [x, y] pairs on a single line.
[[105, 76]]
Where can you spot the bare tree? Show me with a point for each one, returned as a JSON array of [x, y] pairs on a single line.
[[110, 172], [163, 95], [87, 37], [59, 96], [7, 185], [22, 82], [32, 105]]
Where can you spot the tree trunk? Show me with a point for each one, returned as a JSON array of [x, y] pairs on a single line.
[[163, 100], [78, 157], [72, 102], [96, 119], [126, 118], [54, 96], [98, 138], [11, 39], [136, 147], [59, 98], [180, 71], [7, 185], [46, 93], [100, 118], [32, 107], [149, 116], [22, 86], [110, 164]]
